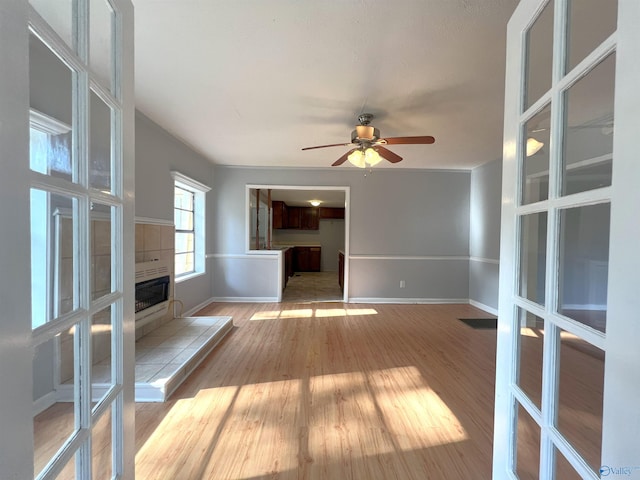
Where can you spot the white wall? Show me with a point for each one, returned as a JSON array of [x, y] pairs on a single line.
[[405, 225], [484, 233], [157, 154]]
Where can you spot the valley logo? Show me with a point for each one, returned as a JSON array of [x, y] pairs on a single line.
[[606, 471]]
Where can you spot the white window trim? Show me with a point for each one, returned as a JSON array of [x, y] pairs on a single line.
[[46, 123], [199, 190]]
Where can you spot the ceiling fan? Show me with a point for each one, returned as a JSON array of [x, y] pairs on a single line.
[[368, 147]]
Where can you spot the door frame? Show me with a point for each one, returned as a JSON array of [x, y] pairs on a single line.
[[347, 218], [621, 417], [17, 339]]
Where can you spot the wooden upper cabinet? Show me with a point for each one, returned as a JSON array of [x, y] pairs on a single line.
[[296, 218], [280, 214], [310, 218], [293, 216], [327, 213]]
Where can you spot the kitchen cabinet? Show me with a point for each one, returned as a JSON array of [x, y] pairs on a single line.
[[280, 214], [314, 259], [309, 218], [330, 213], [307, 259], [299, 218], [294, 217], [288, 267]]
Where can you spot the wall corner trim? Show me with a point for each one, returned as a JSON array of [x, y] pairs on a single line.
[[482, 306]]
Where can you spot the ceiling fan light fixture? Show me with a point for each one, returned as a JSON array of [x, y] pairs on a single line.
[[533, 146], [372, 157], [357, 158]]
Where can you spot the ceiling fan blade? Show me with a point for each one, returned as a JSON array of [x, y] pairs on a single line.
[[388, 154], [325, 146], [410, 140], [343, 158]]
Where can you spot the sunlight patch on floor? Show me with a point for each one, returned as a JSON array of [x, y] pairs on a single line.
[[531, 332], [404, 398]]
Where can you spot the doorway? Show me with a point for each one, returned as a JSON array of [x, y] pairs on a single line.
[[309, 225]]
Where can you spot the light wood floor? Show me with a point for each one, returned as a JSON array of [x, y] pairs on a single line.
[[328, 391]]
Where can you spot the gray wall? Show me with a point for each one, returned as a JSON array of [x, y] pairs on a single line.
[[407, 222], [157, 154], [484, 233]]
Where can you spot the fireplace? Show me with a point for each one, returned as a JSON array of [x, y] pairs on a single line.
[[153, 282]]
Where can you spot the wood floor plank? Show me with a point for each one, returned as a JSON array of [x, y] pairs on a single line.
[[332, 391]]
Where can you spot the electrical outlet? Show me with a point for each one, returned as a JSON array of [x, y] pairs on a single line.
[[402, 283]]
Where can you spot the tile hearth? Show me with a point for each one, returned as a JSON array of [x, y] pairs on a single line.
[[167, 355]]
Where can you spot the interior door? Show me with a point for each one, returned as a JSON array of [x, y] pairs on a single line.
[[67, 133], [567, 379]]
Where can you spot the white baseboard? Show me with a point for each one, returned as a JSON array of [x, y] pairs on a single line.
[[411, 301], [482, 306], [200, 306], [65, 392], [44, 402], [245, 299]]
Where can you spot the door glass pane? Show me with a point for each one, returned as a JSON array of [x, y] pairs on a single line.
[[58, 15], [584, 264], [535, 171], [101, 377], [533, 256], [590, 23], [101, 448], [528, 446], [539, 42], [564, 470], [53, 395], [50, 90], [101, 248], [531, 344], [581, 381], [588, 132], [100, 155], [101, 33], [52, 259]]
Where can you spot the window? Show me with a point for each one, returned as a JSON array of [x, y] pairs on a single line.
[[189, 220], [49, 154]]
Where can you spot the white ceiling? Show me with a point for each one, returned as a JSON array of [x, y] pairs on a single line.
[[252, 82]]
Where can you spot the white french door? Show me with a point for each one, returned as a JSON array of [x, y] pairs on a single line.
[[568, 361], [67, 114]]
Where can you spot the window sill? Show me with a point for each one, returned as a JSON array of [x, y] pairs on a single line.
[[188, 276]]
